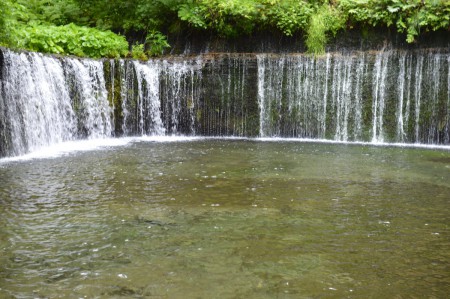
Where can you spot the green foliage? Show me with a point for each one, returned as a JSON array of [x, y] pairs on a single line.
[[25, 27], [327, 19], [227, 17], [66, 26], [408, 16], [137, 52], [316, 35], [193, 14], [11, 13], [289, 16], [156, 43], [73, 40], [106, 14], [57, 12], [5, 16]]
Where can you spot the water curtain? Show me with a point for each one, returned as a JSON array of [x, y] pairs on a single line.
[[380, 96]]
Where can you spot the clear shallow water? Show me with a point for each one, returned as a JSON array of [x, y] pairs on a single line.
[[227, 219]]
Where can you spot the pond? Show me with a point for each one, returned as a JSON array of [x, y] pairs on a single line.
[[226, 218]]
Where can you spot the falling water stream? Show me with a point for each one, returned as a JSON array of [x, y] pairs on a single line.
[[225, 176], [391, 96]]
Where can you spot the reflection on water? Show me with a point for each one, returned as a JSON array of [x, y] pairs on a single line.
[[227, 219]]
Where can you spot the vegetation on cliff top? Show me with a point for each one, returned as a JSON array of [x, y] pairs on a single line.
[[100, 28]]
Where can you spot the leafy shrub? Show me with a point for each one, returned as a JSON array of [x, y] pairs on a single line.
[[228, 18], [289, 16], [193, 14], [156, 43], [73, 40], [409, 16], [137, 52], [326, 20], [11, 13], [5, 16]]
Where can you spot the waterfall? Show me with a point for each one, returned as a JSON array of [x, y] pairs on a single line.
[[231, 102], [417, 96], [323, 111], [401, 95], [446, 122], [434, 70], [158, 97], [300, 96], [127, 96], [36, 104], [380, 96], [181, 85], [358, 98], [47, 101], [227, 105], [270, 89], [149, 106], [89, 96], [386, 96], [112, 83]]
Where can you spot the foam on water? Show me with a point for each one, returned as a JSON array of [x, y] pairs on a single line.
[[69, 147], [167, 138], [381, 144]]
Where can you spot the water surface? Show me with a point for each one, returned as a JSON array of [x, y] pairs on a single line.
[[227, 219]]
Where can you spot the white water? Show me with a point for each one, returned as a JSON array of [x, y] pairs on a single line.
[[39, 111], [401, 96], [180, 94], [69, 147], [270, 88], [92, 106], [434, 69], [231, 79], [148, 99], [382, 98], [77, 146], [328, 97], [417, 95], [379, 94], [317, 92], [447, 125], [47, 101], [126, 77], [80, 146], [159, 97]]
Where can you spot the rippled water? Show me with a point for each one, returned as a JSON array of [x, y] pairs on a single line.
[[227, 219]]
